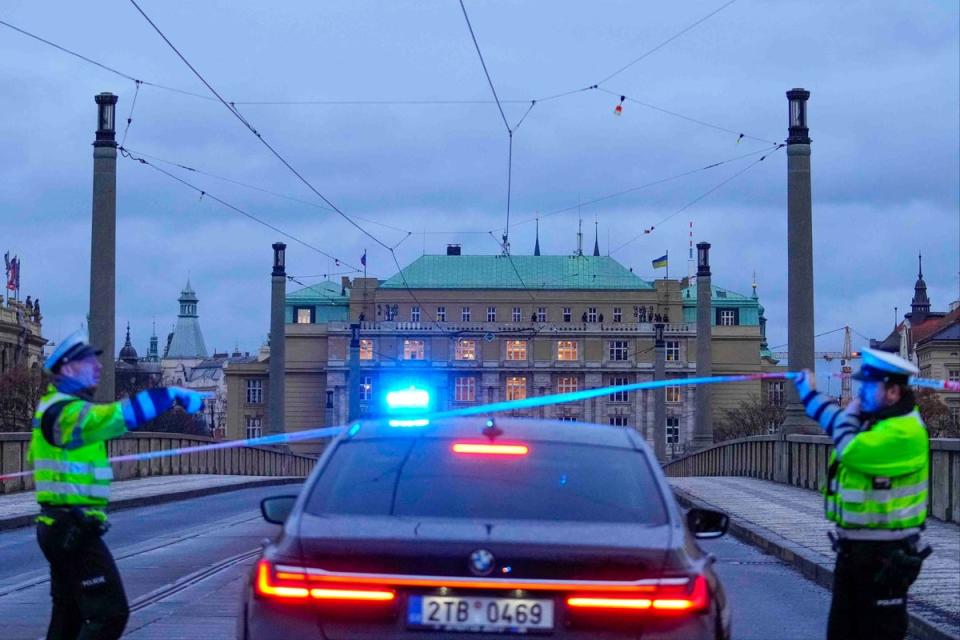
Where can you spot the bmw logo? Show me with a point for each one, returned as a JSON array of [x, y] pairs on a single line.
[[482, 562]]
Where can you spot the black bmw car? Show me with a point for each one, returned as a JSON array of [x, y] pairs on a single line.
[[479, 528]]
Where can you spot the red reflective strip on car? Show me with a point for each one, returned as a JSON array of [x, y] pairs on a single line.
[[491, 449], [697, 600]]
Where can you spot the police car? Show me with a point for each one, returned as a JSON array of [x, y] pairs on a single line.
[[478, 527]]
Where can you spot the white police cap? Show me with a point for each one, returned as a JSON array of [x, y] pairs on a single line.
[[883, 366], [76, 346]]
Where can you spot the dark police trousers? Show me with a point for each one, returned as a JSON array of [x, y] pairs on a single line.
[[89, 602], [870, 585]]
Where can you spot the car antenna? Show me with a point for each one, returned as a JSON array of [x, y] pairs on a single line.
[[492, 431]]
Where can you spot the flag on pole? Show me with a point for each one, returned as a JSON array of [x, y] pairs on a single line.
[[13, 271], [363, 258], [661, 262]]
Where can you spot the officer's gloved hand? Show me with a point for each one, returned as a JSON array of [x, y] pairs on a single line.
[[805, 382], [191, 401]]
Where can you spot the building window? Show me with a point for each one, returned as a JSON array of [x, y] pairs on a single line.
[[673, 350], [541, 314], [953, 375], [329, 404], [673, 430], [465, 314], [465, 349], [254, 426], [441, 314], [775, 395], [567, 314], [618, 314], [618, 421], [591, 314], [415, 313], [567, 418], [516, 388], [674, 395], [567, 350], [516, 314], [517, 350], [618, 350], [567, 384], [491, 314], [728, 317], [465, 390], [413, 349], [390, 312], [366, 349], [619, 396], [254, 391], [305, 315], [955, 416], [366, 388]]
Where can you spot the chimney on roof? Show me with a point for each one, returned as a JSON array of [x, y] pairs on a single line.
[[453, 249]]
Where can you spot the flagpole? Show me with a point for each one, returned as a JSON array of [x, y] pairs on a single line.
[[667, 253]]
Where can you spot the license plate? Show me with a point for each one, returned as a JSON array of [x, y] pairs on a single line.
[[469, 614]]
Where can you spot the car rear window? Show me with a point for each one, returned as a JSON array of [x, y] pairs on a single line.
[[425, 478]]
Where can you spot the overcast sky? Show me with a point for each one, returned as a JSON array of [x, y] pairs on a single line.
[[883, 116]]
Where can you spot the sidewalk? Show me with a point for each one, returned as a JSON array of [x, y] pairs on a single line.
[[788, 522], [19, 509]]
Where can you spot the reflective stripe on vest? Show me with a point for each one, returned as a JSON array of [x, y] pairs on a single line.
[[881, 495], [71, 489], [99, 473], [869, 518]]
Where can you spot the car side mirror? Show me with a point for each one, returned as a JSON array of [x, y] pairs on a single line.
[[276, 509], [707, 523]]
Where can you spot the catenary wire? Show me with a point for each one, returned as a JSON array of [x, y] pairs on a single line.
[[133, 105]]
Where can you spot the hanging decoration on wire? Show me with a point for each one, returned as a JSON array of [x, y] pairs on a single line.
[[618, 110]]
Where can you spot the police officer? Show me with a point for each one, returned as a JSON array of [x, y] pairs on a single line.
[[72, 475], [876, 494]]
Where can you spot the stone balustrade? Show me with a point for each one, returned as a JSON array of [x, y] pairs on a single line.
[[802, 462], [254, 461]]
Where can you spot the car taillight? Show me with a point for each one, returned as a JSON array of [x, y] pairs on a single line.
[[481, 448], [291, 583], [685, 597]]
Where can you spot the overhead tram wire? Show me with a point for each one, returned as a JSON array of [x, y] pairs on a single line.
[[203, 193], [697, 199]]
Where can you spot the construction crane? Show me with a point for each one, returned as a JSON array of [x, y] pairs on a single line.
[[846, 369]]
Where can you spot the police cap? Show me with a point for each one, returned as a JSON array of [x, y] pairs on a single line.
[[74, 347], [883, 366]]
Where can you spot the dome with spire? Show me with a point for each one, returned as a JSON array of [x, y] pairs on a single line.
[[186, 341], [128, 354]]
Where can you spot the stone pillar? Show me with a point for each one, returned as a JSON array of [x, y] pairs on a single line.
[[800, 347], [659, 395], [703, 420], [278, 355], [353, 382], [103, 246]]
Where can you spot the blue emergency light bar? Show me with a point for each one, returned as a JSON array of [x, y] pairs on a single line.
[[410, 398]]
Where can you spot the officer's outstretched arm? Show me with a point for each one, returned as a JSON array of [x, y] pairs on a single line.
[[837, 423]]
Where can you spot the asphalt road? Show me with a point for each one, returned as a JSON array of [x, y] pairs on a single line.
[[205, 540]]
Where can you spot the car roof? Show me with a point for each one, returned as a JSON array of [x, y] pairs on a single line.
[[525, 429]]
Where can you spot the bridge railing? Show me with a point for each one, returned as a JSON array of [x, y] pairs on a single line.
[[252, 461], [802, 462]]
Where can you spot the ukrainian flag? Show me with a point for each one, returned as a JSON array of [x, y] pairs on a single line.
[[661, 262]]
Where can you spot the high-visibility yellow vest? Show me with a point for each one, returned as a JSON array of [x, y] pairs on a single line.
[[880, 479], [72, 468]]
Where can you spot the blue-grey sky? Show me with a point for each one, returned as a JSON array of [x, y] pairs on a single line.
[[884, 117]]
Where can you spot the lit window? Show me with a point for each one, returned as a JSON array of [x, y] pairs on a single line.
[[413, 349], [465, 314], [491, 314], [567, 384], [304, 315], [673, 430], [366, 349], [441, 314], [415, 314], [516, 388], [254, 391], [727, 317], [618, 314], [619, 396], [516, 314], [517, 350], [541, 314], [775, 395], [591, 314], [465, 390], [567, 314], [366, 388], [618, 350], [465, 349], [674, 395], [254, 426], [673, 350], [618, 421], [567, 350]]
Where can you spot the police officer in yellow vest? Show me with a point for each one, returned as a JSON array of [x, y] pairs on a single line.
[[72, 475], [876, 494]]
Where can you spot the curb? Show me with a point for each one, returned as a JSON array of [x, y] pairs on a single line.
[[808, 563], [16, 522]]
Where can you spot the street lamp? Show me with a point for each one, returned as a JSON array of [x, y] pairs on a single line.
[[106, 118], [703, 258], [279, 259], [799, 133]]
